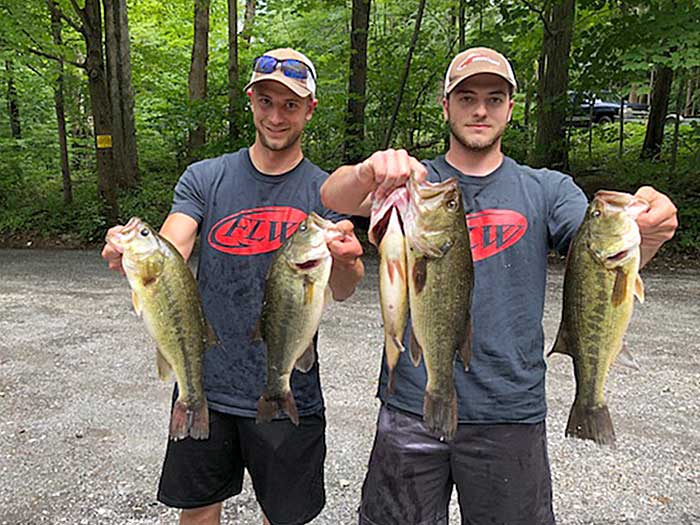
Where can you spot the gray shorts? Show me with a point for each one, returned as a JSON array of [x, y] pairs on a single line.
[[501, 472]]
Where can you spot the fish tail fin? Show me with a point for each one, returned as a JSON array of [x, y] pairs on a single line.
[[199, 428], [269, 406], [179, 421], [193, 422], [593, 423], [440, 413]]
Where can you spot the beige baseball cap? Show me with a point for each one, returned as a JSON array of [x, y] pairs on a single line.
[[303, 87], [475, 61]]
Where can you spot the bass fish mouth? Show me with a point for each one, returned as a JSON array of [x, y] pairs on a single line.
[[618, 256], [308, 265]]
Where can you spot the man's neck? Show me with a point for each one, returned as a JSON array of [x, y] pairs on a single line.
[[472, 162], [271, 162]]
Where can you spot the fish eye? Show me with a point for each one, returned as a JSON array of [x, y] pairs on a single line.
[[145, 232], [302, 226], [451, 204], [596, 213]]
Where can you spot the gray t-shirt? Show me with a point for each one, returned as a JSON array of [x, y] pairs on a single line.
[[516, 215], [244, 216]]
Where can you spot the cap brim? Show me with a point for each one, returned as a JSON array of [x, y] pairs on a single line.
[[457, 80], [295, 85]]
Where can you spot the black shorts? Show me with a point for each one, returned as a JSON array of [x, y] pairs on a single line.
[[501, 472], [285, 463]]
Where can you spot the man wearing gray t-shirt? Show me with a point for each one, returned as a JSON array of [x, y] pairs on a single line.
[[243, 206], [515, 215]]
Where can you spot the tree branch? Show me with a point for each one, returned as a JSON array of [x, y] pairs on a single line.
[[68, 20], [81, 14], [54, 57], [540, 14]]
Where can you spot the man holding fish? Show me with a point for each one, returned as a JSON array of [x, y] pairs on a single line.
[[244, 206], [497, 455]]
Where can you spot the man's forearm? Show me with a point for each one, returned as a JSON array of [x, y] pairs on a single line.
[[344, 192], [344, 278]]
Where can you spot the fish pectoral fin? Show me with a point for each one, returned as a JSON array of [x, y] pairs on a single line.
[[465, 351], [308, 291], [560, 346], [136, 303], [163, 367], [396, 268], [639, 289], [256, 333], [212, 339], [420, 274], [626, 358], [307, 359], [415, 349], [620, 288]]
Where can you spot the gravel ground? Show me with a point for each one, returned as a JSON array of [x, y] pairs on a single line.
[[83, 417]]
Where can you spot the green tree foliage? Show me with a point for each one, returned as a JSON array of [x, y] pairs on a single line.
[[615, 45]]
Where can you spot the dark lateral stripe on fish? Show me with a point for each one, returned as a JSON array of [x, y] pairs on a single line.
[[177, 318]]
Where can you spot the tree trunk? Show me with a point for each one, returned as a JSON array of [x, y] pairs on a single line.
[[12, 104], [550, 140], [404, 75], [462, 24], [357, 85], [121, 93], [101, 110], [634, 97], [248, 20], [60, 104], [676, 125], [661, 90], [232, 72], [197, 81], [622, 128]]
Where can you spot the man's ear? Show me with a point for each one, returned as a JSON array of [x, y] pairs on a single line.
[[310, 109]]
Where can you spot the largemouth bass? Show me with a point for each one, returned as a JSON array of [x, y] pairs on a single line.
[[386, 232], [600, 284], [296, 290], [165, 295], [440, 283]]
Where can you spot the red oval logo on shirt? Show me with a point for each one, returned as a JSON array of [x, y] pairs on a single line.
[[255, 231], [492, 231]]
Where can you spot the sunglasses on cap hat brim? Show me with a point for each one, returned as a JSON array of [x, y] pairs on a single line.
[[290, 67]]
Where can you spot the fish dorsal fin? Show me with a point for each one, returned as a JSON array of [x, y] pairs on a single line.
[[414, 349], [620, 287], [307, 359], [560, 346], [163, 367], [625, 358], [136, 303], [465, 351], [639, 289]]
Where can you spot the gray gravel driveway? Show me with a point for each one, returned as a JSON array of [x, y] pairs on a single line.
[[83, 417]]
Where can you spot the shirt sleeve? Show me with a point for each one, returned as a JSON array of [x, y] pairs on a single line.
[[566, 212], [189, 196]]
